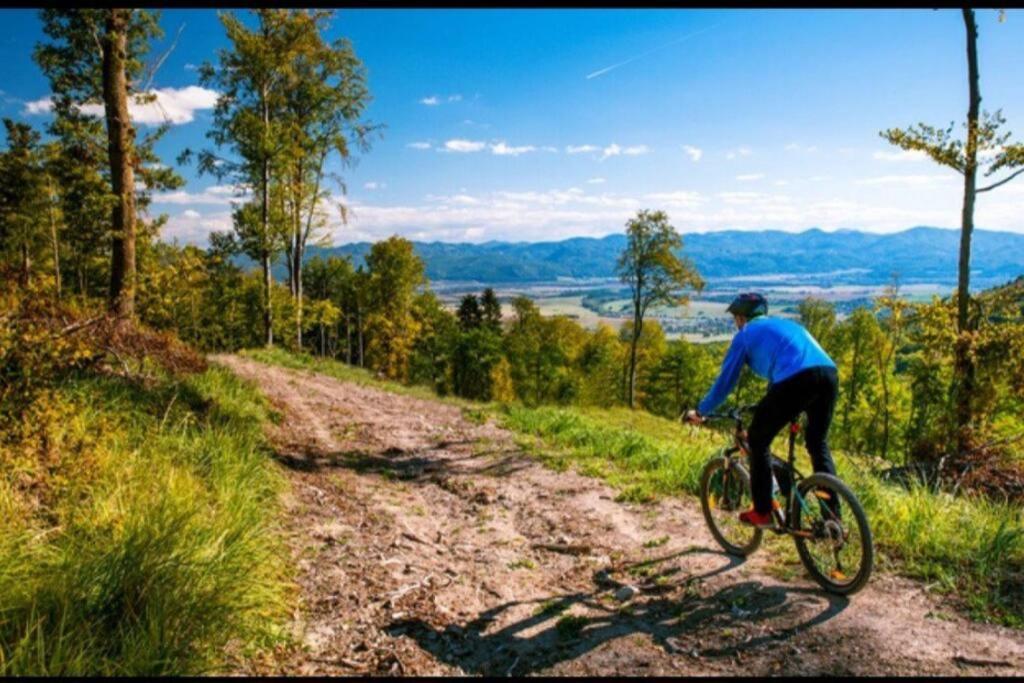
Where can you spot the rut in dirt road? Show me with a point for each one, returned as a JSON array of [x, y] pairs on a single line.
[[429, 544]]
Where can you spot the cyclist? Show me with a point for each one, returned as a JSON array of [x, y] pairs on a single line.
[[802, 379]]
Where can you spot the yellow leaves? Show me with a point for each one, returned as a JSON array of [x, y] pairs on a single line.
[[502, 389]]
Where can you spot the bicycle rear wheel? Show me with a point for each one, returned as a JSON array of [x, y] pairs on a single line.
[[724, 493], [832, 537]]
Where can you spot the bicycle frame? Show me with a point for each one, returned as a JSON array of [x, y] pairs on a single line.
[[741, 445]]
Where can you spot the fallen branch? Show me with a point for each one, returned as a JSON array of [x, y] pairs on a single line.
[[971, 661], [564, 548], [74, 327], [396, 595]]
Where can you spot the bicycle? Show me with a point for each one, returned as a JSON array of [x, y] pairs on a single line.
[[838, 556]]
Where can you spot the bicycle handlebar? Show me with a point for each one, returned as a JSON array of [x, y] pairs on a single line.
[[733, 414]]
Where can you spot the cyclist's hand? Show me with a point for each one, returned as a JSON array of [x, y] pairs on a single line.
[[693, 417]]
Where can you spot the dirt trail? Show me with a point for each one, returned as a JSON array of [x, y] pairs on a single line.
[[428, 544]]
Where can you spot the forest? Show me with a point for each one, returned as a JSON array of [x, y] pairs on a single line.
[[122, 446]]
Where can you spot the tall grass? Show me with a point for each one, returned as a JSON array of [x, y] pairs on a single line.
[[160, 551]]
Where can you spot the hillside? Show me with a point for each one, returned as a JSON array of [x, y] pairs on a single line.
[[920, 254], [524, 571]]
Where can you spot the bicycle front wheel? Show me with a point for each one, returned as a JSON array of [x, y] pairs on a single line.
[[832, 534], [724, 494]]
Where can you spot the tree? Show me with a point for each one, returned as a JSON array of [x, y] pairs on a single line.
[[433, 349], [247, 119], [395, 272], [23, 196], [983, 137], [599, 366], [819, 317], [490, 310], [325, 96], [470, 316], [330, 280], [78, 170], [654, 273], [95, 56], [680, 378], [645, 359]]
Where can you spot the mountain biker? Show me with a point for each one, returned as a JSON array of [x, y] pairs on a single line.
[[802, 379]]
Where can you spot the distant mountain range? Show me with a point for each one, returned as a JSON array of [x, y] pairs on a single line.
[[921, 254]]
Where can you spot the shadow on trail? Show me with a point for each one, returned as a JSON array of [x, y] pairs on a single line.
[[676, 623], [421, 465]]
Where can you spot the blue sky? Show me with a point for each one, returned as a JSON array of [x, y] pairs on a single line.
[[544, 124]]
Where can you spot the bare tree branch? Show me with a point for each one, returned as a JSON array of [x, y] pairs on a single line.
[[1001, 182], [160, 62]]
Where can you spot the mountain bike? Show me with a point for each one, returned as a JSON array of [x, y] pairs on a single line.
[[816, 511]]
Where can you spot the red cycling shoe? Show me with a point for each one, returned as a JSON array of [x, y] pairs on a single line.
[[755, 518]]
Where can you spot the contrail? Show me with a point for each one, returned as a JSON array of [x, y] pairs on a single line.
[[601, 72]]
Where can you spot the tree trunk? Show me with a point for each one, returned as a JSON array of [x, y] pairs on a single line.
[[348, 339], [120, 138], [638, 322], [964, 364], [26, 266], [268, 315], [359, 329], [53, 236], [302, 235], [268, 283], [298, 294]]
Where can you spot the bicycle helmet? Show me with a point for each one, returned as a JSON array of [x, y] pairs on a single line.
[[749, 305]]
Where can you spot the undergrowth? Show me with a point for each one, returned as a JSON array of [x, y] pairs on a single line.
[[137, 528]]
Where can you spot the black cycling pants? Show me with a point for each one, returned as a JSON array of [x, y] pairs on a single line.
[[812, 391]]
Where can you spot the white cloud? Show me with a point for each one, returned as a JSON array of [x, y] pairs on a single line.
[[192, 227], [677, 199], [463, 146], [223, 195], [172, 105], [797, 147], [39, 106], [435, 100], [742, 151], [580, 149], [549, 148], [750, 176], [419, 145], [555, 214], [900, 155], [915, 180], [614, 150], [374, 185], [502, 149], [595, 181], [695, 153]]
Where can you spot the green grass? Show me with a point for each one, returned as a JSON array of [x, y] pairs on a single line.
[[160, 550]]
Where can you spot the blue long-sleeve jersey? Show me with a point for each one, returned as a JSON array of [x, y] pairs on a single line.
[[775, 348]]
